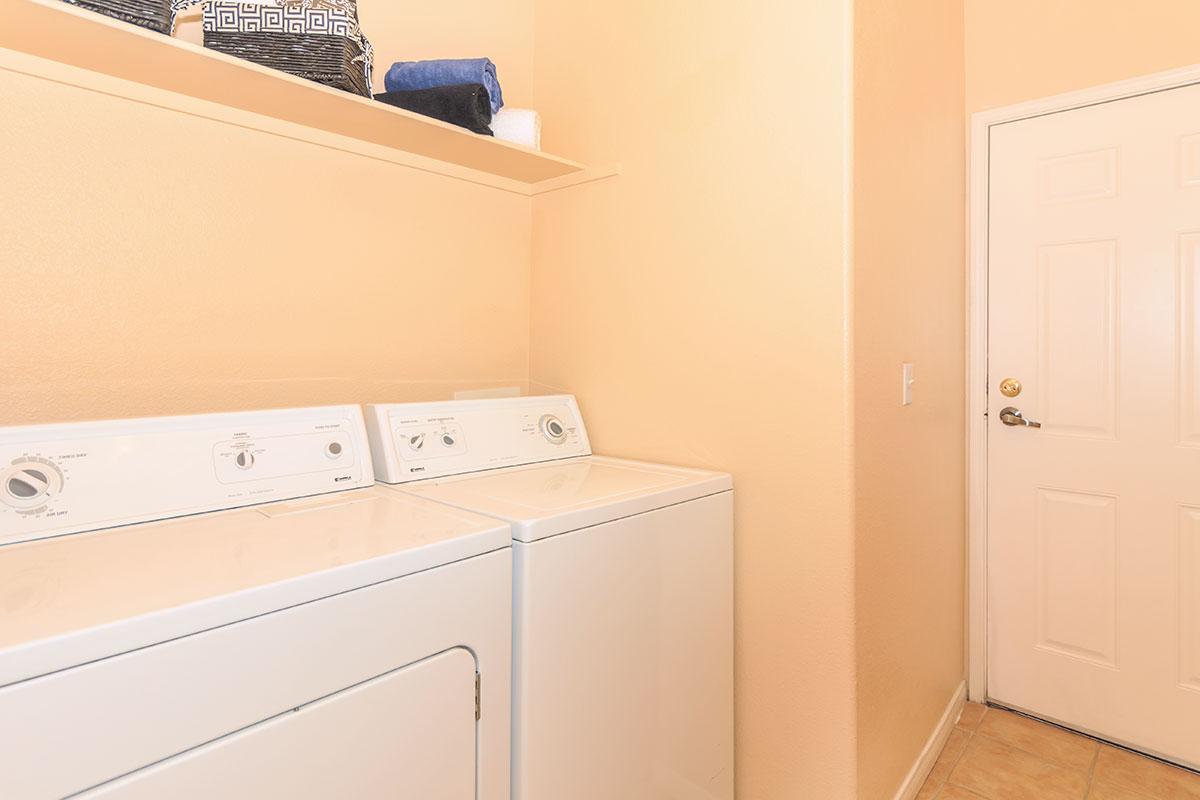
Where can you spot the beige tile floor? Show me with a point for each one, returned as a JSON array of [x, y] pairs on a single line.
[[998, 755]]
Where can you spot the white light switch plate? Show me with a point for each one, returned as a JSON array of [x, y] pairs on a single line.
[[907, 385]]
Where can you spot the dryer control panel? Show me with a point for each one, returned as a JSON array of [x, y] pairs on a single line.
[[59, 479], [414, 441]]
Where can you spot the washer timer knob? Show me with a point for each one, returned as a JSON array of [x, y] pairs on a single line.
[[244, 459], [553, 429], [416, 441]]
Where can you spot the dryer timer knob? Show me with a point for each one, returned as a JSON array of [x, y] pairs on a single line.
[[30, 483]]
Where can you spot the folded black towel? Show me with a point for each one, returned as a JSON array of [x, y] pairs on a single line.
[[467, 105]]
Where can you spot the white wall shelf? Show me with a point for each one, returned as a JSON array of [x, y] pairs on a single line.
[[58, 32]]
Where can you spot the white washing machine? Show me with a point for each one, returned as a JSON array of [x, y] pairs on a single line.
[[623, 594], [286, 629]]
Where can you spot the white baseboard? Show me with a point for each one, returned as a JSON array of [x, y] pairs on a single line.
[[933, 748]]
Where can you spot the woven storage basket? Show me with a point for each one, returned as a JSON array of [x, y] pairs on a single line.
[[325, 59], [153, 15], [319, 41]]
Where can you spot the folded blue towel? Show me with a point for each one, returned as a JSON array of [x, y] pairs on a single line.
[[406, 76]]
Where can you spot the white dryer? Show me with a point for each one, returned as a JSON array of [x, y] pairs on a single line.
[[623, 594], [284, 629]]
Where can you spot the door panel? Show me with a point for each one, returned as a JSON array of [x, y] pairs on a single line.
[[1093, 518], [1077, 575], [1189, 597], [409, 733], [1189, 352], [1079, 176], [1077, 338]]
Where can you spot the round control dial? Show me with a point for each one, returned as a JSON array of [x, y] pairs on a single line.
[[29, 483], [553, 429], [416, 441], [448, 440]]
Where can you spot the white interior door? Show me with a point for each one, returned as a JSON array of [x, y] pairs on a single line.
[[1094, 518], [407, 734]]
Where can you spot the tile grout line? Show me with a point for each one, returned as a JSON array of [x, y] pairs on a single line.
[[1099, 740], [1091, 775], [1041, 756], [970, 735], [937, 790], [1032, 754]]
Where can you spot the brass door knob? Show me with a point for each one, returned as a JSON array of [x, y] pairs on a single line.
[[1010, 387]]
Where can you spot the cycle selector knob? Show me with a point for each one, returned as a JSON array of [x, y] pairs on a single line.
[[30, 483], [553, 429], [416, 441], [244, 459]]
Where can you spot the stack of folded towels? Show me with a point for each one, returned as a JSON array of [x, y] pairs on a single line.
[[463, 92]]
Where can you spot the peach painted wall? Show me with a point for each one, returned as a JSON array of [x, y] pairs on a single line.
[[909, 462], [697, 306], [157, 261], [1024, 49]]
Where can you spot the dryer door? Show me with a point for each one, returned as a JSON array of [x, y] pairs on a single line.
[[407, 733]]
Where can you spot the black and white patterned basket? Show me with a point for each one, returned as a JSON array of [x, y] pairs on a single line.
[[315, 39], [153, 15]]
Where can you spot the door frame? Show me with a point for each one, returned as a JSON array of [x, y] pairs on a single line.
[[981, 124]]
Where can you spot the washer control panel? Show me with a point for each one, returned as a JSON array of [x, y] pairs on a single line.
[[421, 439], [59, 479], [413, 441]]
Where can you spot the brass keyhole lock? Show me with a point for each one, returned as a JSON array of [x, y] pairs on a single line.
[[1010, 387]]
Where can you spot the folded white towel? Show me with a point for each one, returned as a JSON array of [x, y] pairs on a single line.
[[519, 126]]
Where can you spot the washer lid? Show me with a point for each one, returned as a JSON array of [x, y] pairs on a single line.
[[67, 600], [542, 500]]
